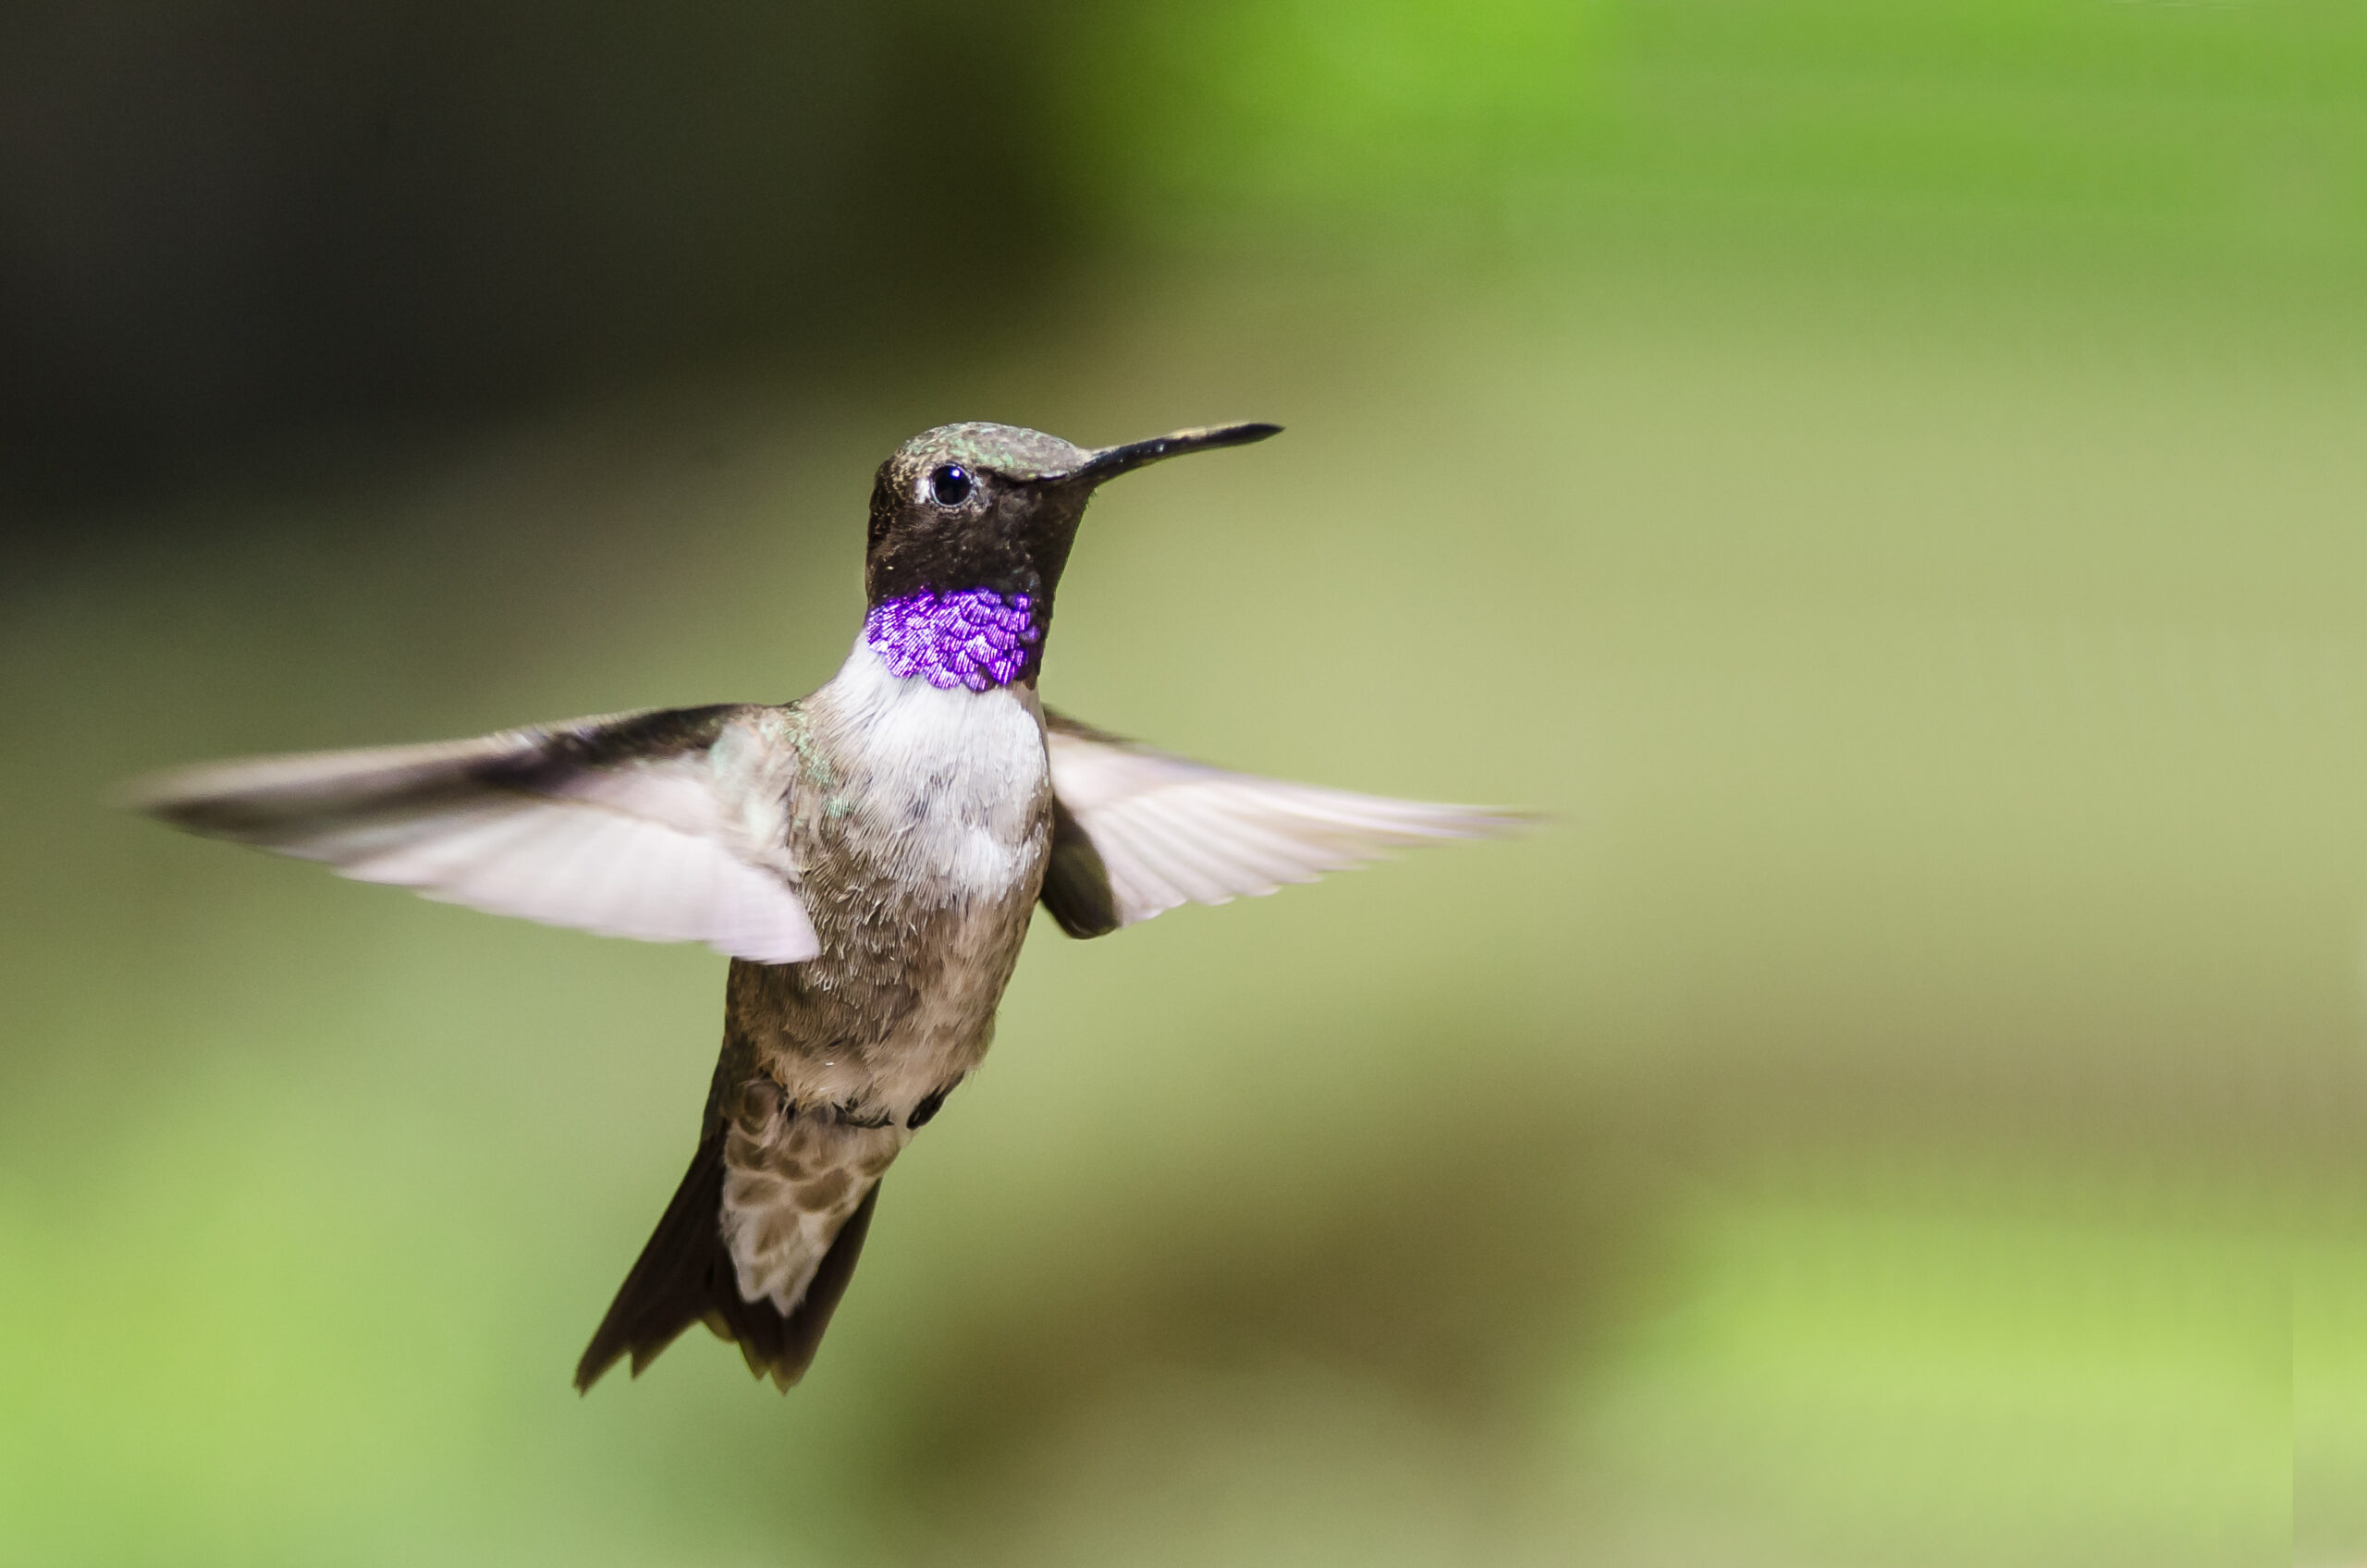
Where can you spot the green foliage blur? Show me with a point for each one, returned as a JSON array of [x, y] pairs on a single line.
[[1887, 479]]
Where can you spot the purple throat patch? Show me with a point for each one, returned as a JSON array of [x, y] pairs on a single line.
[[974, 638]]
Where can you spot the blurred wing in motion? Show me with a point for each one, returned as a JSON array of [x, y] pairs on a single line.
[[1139, 832], [659, 824]]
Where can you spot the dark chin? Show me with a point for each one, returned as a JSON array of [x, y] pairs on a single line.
[[1026, 554], [896, 574], [1053, 534]]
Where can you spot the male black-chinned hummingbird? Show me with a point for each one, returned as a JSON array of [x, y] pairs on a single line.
[[869, 857]]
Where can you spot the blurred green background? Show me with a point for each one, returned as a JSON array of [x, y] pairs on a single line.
[[1886, 478]]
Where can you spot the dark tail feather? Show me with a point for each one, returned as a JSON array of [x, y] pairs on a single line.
[[684, 1276]]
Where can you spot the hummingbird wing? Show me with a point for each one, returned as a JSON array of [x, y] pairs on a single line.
[[665, 824], [1139, 832]]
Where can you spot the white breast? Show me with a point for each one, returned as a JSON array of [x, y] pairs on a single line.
[[953, 778]]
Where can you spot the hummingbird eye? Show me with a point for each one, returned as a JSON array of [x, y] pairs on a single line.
[[950, 485]]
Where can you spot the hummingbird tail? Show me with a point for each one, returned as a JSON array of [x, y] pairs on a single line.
[[685, 1274]]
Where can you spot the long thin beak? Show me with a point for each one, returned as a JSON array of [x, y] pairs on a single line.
[[1112, 461]]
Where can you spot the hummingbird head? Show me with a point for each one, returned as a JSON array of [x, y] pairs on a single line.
[[971, 526]]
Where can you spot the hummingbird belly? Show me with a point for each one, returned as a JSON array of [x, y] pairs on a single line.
[[921, 822], [922, 833]]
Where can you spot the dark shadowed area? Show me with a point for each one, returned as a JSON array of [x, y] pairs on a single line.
[[1883, 480], [228, 220]]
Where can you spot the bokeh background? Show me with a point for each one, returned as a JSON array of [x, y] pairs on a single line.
[[1887, 479]]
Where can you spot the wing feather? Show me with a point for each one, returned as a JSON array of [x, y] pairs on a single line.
[[655, 826], [1171, 830]]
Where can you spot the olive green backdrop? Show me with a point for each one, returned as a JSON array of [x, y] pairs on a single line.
[[1888, 480]]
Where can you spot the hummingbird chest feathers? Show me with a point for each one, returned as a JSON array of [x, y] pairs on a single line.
[[921, 820], [943, 786]]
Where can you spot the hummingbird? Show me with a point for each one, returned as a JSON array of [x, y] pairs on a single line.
[[869, 858]]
